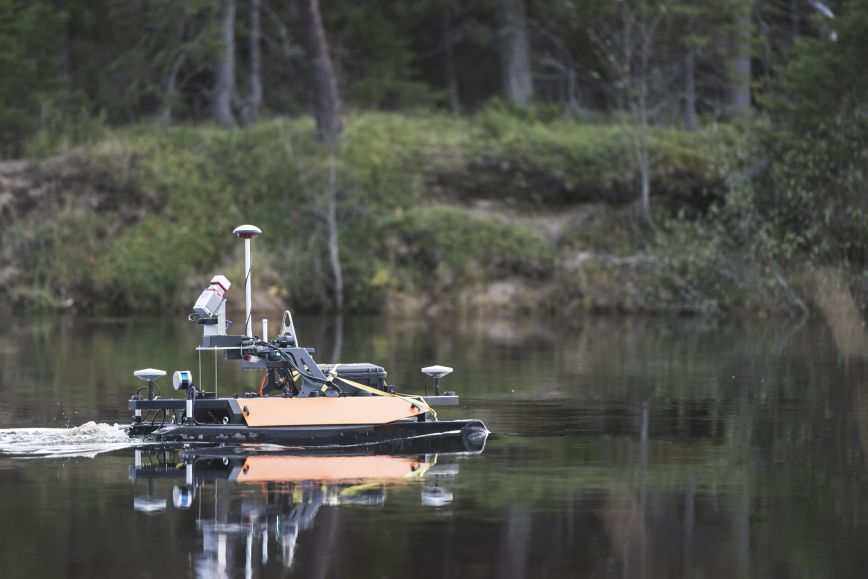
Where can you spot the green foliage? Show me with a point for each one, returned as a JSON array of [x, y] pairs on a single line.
[[62, 129], [814, 196], [393, 158], [564, 160], [526, 157], [28, 78], [147, 216], [381, 67], [820, 85], [132, 83], [470, 243]]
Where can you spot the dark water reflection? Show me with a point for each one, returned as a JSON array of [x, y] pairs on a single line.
[[623, 448]]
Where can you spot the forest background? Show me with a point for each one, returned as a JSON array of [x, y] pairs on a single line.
[[412, 156]]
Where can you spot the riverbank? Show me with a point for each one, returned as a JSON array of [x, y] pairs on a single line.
[[493, 212]]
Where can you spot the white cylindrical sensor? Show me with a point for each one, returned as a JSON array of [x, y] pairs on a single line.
[[264, 329], [182, 379], [182, 498]]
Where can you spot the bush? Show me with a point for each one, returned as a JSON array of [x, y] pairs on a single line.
[[570, 161], [814, 196], [473, 245]]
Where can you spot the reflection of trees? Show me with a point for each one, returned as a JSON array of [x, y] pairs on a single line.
[[514, 542], [752, 461]]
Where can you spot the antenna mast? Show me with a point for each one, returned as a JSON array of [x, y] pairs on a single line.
[[247, 232]]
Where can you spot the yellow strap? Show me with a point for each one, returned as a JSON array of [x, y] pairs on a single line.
[[420, 473], [416, 401], [360, 488]]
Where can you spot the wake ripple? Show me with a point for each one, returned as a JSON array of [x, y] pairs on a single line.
[[87, 440]]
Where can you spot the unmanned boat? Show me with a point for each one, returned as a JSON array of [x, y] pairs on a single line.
[[299, 402]]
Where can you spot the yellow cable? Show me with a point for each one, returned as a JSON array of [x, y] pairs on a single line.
[[360, 488], [420, 473], [417, 401]]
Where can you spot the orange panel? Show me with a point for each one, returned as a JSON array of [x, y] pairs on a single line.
[[325, 411], [325, 468]]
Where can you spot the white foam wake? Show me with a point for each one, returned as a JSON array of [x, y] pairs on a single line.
[[87, 440]]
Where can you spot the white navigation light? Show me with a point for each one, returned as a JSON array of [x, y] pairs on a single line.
[[149, 374], [437, 372], [182, 379]]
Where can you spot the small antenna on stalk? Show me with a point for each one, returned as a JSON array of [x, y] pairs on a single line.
[[247, 232], [438, 373]]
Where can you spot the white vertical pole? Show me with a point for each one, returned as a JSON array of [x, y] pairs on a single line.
[[248, 559], [248, 265], [248, 232]]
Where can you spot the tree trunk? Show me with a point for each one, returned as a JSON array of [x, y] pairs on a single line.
[[795, 23], [224, 82], [327, 111], [572, 94], [338, 338], [449, 61], [690, 89], [643, 160], [326, 99], [64, 47], [171, 90], [515, 53], [642, 147], [640, 84], [739, 97], [332, 222], [515, 542], [254, 99]]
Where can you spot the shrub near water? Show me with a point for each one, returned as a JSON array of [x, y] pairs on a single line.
[[472, 245]]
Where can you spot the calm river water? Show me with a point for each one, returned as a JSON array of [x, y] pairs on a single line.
[[654, 448]]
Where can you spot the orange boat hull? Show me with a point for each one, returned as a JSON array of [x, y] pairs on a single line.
[[325, 411]]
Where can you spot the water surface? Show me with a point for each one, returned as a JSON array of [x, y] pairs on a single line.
[[622, 448]]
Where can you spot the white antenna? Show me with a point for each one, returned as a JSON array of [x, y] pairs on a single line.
[[247, 232], [437, 372]]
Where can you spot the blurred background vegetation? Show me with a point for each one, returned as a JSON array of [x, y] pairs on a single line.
[[488, 155]]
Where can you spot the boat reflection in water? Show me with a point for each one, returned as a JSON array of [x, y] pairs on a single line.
[[257, 500]]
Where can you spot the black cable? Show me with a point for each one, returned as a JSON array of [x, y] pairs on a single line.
[[290, 359], [195, 391], [162, 419], [157, 390]]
